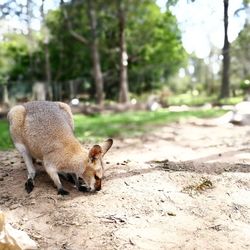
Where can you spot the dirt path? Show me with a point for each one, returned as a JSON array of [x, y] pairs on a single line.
[[180, 187]]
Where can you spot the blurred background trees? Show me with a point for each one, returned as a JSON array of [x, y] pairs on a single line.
[[109, 50], [103, 49]]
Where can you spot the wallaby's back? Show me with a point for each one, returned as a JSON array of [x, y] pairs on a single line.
[[42, 126]]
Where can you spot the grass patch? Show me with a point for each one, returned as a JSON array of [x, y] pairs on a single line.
[[131, 123], [191, 100], [99, 127], [231, 100], [5, 141]]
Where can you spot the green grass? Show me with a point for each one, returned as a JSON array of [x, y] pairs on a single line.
[[190, 100], [5, 141], [231, 100], [96, 128]]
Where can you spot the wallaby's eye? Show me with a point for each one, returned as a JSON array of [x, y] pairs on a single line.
[[97, 178]]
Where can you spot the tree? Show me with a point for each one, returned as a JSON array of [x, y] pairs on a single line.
[[71, 62], [152, 42], [14, 57], [155, 51], [151, 39], [123, 56], [48, 88], [225, 84], [95, 53], [93, 43], [240, 56]]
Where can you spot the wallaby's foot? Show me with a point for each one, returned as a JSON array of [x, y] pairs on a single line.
[[83, 188], [61, 191], [29, 185]]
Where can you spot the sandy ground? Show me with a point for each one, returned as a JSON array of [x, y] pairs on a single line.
[[182, 186]]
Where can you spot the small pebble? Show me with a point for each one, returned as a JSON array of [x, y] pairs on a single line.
[[33, 202], [14, 206], [171, 214]]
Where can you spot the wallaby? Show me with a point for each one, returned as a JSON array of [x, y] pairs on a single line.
[[44, 130]]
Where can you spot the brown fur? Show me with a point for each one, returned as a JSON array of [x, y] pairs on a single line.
[[44, 130]]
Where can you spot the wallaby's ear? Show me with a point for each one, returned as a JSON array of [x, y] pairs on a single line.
[[95, 152], [106, 146]]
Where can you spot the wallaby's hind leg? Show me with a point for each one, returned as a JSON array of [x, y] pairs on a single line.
[[16, 117], [29, 184], [55, 177]]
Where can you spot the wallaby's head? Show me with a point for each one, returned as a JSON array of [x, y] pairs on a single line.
[[94, 170]]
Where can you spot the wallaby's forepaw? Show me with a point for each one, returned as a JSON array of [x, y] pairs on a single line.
[[70, 178], [62, 192], [83, 188], [67, 177], [29, 186]]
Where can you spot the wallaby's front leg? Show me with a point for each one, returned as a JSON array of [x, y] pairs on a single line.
[[79, 186], [72, 178], [52, 172], [29, 184]]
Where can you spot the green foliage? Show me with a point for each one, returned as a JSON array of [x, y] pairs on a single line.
[[70, 59], [241, 56], [153, 43], [153, 61], [245, 85], [128, 124], [14, 59]]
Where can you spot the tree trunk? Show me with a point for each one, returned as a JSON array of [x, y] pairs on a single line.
[[48, 87], [98, 77], [39, 91], [123, 91], [48, 73], [95, 55], [72, 89], [5, 95], [226, 56], [30, 38]]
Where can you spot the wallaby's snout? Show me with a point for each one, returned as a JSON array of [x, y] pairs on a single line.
[[98, 183]]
